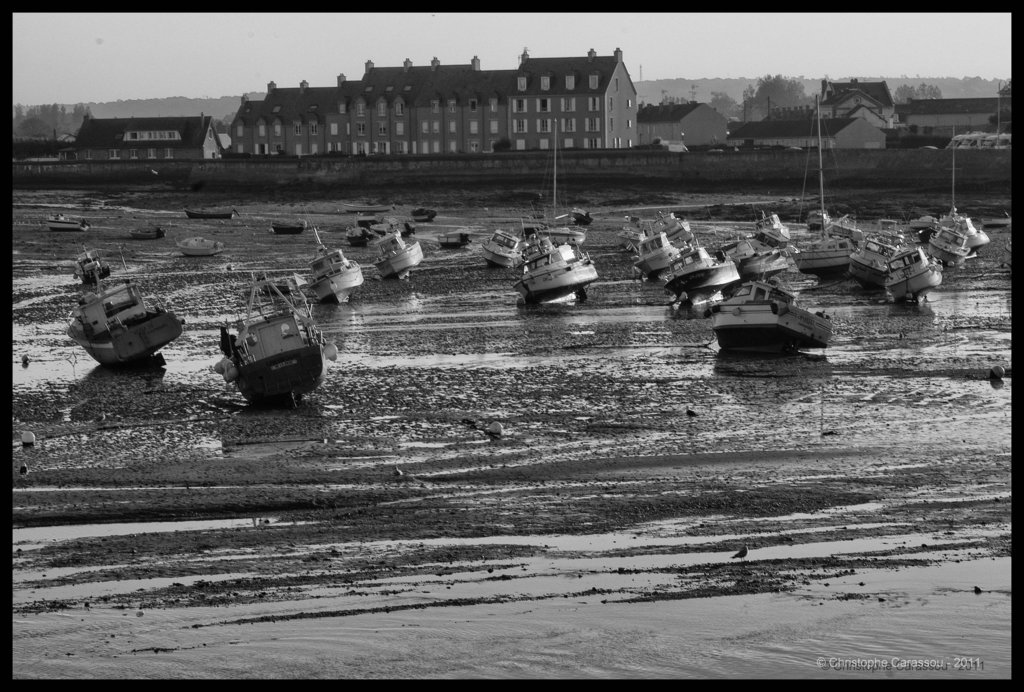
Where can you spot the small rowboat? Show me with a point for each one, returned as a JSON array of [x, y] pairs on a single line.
[[421, 215], [288, 227], [210, 213], [147, 233], [200, 247], [356, 208], [59, 222]]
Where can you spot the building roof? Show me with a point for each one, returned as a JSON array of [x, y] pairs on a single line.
[[837, 92], [667, 112], [778, 129], [948, 106], [108, 133]]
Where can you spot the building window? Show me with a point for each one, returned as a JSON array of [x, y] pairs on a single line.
[[401, 148], [593, 103], [451, 105], [435, 106], [115, 154], [520, 145], [629, 123], [169, 153], [277, 128], [545, 83], [425, 127], [611, 103], [544, 125], [437, 146], [399, 128], [133, 153], [314, 129], [341, 108], [436, 127], [382, 109], [399, 108], [592, 143], [522, 84], [150, 153], [593, 125], [451, 126], [593, 81], [519, 126], [570, 81], [298, 128], [474, 146], [474, 127], [569, 104], [361, 129], [88, 154], [360, 109], [472, 105], [382, 129], [240, 130], [453, 147], [334, 129], [494, 127], [494, 105], [629, 103], [518, 105], [568, 125], [543, 105], [262, 130]]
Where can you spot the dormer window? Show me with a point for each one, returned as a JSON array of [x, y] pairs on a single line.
[[545, 83], [593, 81], [570, 81], [522, 84], [276, 109], [451, 105], [389, 89], [368, 89], [382, 109]]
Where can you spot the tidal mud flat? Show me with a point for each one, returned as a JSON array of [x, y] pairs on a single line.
[[166, 529]]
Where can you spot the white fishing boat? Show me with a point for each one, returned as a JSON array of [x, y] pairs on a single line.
[[59, 222], [912, 274], [697, 277], [502, 249], [333, 277], [90, 268], [675, 229], [869, 264], [554, 272], [654, 255], [119, 325], [631, 234], [763, 317], [275, 353], [770, 231], [396, 258], [949, 246], [755, 260], [200, 247]]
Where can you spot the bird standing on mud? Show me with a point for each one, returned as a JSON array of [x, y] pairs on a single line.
[[741, 554]]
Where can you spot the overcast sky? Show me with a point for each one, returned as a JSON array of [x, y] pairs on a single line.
[[96, 57]]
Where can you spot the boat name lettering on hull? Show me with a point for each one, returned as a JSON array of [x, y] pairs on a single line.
[[284, 364]]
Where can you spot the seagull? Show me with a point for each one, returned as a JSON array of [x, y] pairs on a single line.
[[742, 554]]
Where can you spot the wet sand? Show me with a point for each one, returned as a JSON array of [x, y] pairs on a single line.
[[561, 548]]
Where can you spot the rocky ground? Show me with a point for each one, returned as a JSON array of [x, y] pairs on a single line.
[[766, 461]]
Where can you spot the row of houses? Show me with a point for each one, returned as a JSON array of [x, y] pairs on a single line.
[[586, 102]]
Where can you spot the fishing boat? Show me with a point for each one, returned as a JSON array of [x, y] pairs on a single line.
[[675, 229], [454, 239], [151, 233], [755, 260], [654, 255], [912, 274], [59, 222], [927, 226], [997, 221], [385, 225], [119, 325], [366, 208], [358, 236], [396, 258], [288, 227], [631, 234], [276, 353], [869, 264], [90, 268], [200, 247], [696, 276], [367, 220], [554, 272], [949, 246], [333, 277], [422, 215], [502, 249], [408, 228], [210, 213], [763, 317], [770, 231]]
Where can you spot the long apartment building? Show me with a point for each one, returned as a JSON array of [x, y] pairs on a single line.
[[587, 103]]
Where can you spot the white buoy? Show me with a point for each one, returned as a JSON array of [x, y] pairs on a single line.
[[28, 439]]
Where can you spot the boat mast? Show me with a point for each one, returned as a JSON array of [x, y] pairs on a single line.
[[952, 191], [821, 172], [554, 179]]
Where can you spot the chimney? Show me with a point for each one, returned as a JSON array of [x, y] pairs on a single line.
[[434, 63], [341, 79], [245, 99], [591, 54], [369, 66], [618, 55], [476, 63], [270, 88], [303, 85], [524, 57], [407, 63]]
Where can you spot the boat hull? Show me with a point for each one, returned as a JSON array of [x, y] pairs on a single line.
[[762, 266], [759, 327], [131, 343], [399, 266], [281, 377], [207, 214], [147, 233], [453, 240], [868, 273], [338, 288], [914, 287], [822, 263], [703, 283], [554, 285], [287, 229], [68, 225]]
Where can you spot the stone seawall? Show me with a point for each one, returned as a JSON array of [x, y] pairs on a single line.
[[906, 170]]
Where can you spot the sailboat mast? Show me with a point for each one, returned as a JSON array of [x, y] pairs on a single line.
[[554, 178], [952, 191], [821, 171]]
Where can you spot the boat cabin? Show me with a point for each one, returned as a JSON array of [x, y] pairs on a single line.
[[652, 243], [758, 292], [505, 240], [327, 260], [908, 259], [265, 338], [123, 302]]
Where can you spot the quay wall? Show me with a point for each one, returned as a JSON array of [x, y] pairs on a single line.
[[776, 170]]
